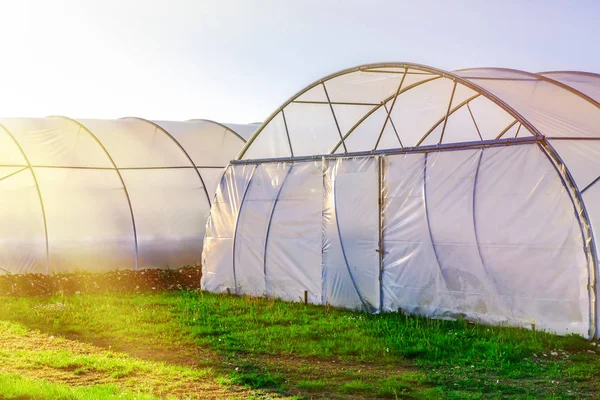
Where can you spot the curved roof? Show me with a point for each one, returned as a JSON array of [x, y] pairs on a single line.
[[403, 105], [106, 194]]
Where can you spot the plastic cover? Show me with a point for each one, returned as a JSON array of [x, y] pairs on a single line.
[[74, 195], [489, 234]]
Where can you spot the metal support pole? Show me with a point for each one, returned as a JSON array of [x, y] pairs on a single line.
[[585, 226], [381, 198]]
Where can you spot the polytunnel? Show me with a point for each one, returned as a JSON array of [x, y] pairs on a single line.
[[466, 194], [99, 195]]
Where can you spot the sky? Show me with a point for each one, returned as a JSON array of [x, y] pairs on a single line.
[[238, 60]]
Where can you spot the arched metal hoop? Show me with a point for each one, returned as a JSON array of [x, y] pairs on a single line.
[[410, 66]]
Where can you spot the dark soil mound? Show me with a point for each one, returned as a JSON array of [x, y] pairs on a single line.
[[81, 282]]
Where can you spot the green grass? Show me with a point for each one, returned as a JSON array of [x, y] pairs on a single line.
[[290, 349], [14, 386]]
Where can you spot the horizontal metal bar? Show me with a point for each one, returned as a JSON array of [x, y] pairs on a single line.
[[383, 71], [106, 168], [405, 150], [341, 103], [572, 138], [484, 78]]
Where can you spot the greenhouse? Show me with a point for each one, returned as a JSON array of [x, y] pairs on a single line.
[[99, 195], [401, 187]]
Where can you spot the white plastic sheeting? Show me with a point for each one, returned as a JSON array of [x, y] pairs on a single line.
[[107, 194], [493, 234], [489, 234]]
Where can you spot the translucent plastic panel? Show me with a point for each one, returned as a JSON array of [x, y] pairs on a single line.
[[363, 87], [9, 151], [271, 142], [586, 83], [515, 130], [389, 138], [553, 110], [207, 143], [411, 271], [211, 178], [582, 158], [295, 239], [450, 196], [217, 263], [253, 228], [244, 130], [530, 240], [490, 118], [56, 142], [351, 220], [347, 116], [460, 127], [89, 221], [22, 237], [364, 137], [417, 110], [316, 93], [170, 209], [312, 128], [133, 143]]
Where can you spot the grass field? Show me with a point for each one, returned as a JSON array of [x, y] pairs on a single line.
[[200, 345]]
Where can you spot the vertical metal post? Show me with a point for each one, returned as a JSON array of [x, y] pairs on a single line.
[[381, 199], [323, 230]]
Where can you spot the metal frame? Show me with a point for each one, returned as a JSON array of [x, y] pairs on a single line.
[[393, 127], [383, 104], [334, 117], [585, 226], [405, 150], [380, 67], [237, 220], [221, 125], [111, 166], [450, 112], [185, 153], [116, 169], [389, 112], [37, 188], [13, 173], [381, 170]]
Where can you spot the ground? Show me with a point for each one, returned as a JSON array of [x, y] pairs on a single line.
[[192, 344]]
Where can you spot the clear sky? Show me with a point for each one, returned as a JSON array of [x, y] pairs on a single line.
[[238, 60]]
